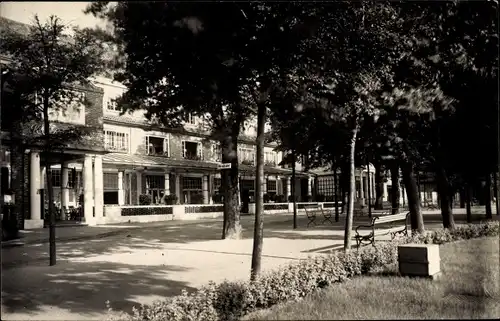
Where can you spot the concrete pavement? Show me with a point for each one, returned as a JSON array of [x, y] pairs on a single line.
[[75, 233], [145, 264]]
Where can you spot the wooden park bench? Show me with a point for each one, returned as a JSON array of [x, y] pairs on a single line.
[[313, 209], [398, 225]]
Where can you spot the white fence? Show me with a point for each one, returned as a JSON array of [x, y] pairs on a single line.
[[155, 213]]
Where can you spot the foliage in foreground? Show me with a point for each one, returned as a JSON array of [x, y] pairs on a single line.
[[469, 289], [232, 300]]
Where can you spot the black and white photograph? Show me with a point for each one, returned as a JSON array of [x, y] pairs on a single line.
[[249, 160]]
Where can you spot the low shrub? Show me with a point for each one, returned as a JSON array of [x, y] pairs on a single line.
[[229, 301], [170, 199], [145, 199]]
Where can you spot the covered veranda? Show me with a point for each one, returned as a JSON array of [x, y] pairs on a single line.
[[90, 184], [190, 181]]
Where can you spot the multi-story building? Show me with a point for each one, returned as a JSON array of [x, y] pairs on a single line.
[[130, 156]]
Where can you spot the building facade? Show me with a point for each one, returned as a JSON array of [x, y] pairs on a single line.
[[132, 158]]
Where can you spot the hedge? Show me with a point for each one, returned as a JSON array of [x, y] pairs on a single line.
[[232, 300]]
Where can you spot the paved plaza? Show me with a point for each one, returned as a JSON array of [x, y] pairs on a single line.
[[143, 263]]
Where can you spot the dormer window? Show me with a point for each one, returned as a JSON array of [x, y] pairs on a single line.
[[111, 105]]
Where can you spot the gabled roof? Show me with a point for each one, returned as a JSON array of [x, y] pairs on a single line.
[[13, 25]]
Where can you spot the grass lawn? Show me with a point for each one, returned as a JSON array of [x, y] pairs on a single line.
[[468, 289]]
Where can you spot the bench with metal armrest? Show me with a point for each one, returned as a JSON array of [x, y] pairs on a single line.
[[398, 225], [312, 210]]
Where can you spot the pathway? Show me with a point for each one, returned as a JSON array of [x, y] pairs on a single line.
[[146, 264]]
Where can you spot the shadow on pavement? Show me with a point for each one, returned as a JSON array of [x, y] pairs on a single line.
[[84, 288]]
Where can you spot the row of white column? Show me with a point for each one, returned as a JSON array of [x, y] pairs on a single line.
[[369, 180], [177, 178], [93, 189]]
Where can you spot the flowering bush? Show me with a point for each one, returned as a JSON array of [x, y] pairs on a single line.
[[229, 301]]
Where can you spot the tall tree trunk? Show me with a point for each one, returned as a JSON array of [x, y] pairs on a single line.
[[17, 172], [462, 197], [468, 194], [292, 185], [487, 197], [495, 192], [16, 181], [50, 192], [444, 191], [417, 220], [417, 174], [345, 184], [394, 187], [336, 190], [232, 225], [352, 192], [258, 234], [379, 187]]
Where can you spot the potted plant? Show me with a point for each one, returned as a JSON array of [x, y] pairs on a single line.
[[171, 199], [217, 198], [145, 199], [197, 199]]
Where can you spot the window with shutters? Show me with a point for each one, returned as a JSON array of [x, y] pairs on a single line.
[[157, 146], [192, 150]]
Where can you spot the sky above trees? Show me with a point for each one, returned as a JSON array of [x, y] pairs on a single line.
[[69, 12]]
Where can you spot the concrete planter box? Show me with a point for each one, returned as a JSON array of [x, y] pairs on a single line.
[[420, 260]]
